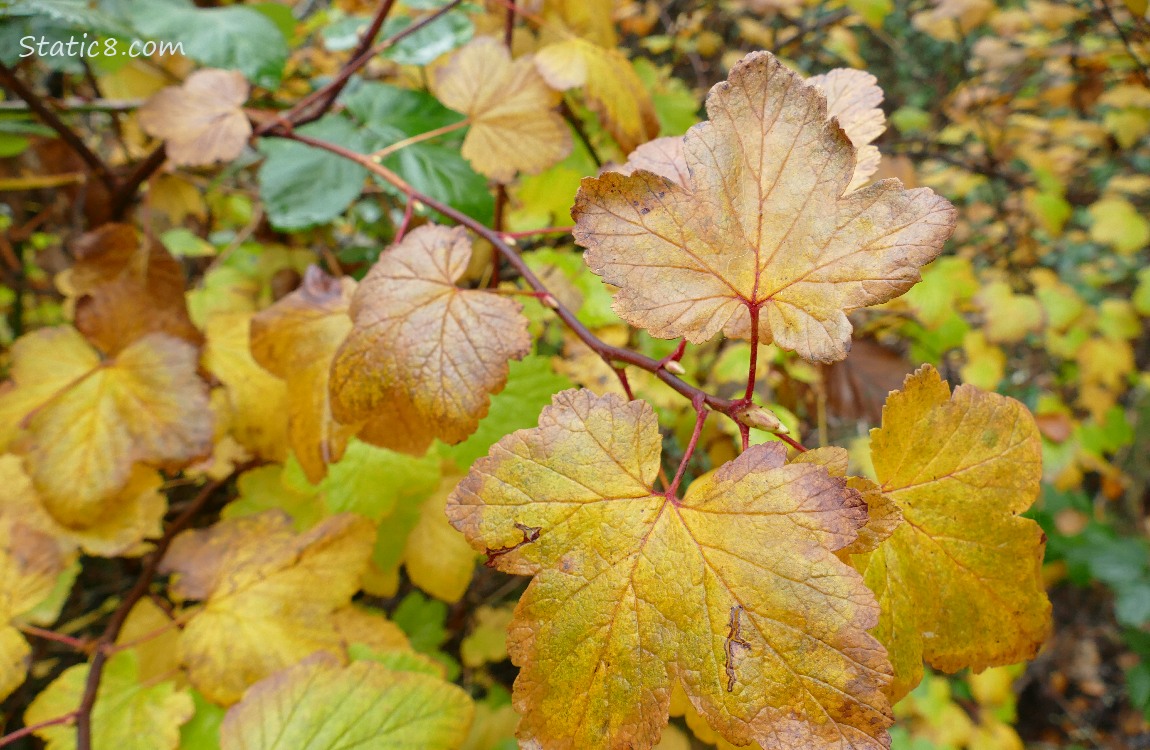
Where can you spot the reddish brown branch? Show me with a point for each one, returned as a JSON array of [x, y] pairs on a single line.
[[52, 120], [139, 591], [612, 355], [306, 110], [23, 732], [332, 91], [126, 192]]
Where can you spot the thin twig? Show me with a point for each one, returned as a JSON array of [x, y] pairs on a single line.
[[138, 591], [509, 25], [301, 113], [577, 125], [365, 43], [52, 120], [124, 194], [77, 644], [23, 732], [76, 104]]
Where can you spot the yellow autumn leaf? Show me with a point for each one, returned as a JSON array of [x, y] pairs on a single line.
[[295, 339], [81, 423], [133, 514], [635, 591], [268, 594], [613, 89], [487, 641], [1116, 222], [764, 239], [959, 582], [30, 562], [1008, 316], [201, 121], [438, 560], [423, 351], [511, 111], [256, 399], [853, 97]]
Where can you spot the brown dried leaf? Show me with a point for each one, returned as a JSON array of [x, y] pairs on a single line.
[[201, 121], [127, 289], [422, 349], [295, 339]]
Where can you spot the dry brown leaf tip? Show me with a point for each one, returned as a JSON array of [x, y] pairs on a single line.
[[766, 229], [421, 349], [201, 121]]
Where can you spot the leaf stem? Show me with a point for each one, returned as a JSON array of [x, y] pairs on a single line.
[[752, 371], [701, 412], [387, 151]]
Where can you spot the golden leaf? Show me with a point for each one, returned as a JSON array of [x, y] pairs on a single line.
[[960, 581], [612, 87], [133, 514], [268, 594], [422, 349], [438, 560], [635, 591], [30, 563], [853, 97], [514, 127], [295, 339], [256, 399], [764, 232], [81, 423], [319, 705], [201, 121]]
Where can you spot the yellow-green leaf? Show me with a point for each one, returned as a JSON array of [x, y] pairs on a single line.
[[129, 714], [319, 705]]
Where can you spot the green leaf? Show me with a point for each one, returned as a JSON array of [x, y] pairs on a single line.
[[128, 715], [319, 705], [302, 186], [423, 620], [530, 385], [375, 482], [391, 114], [448, 32], [235, 37], [202, 732], [184, 243]]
